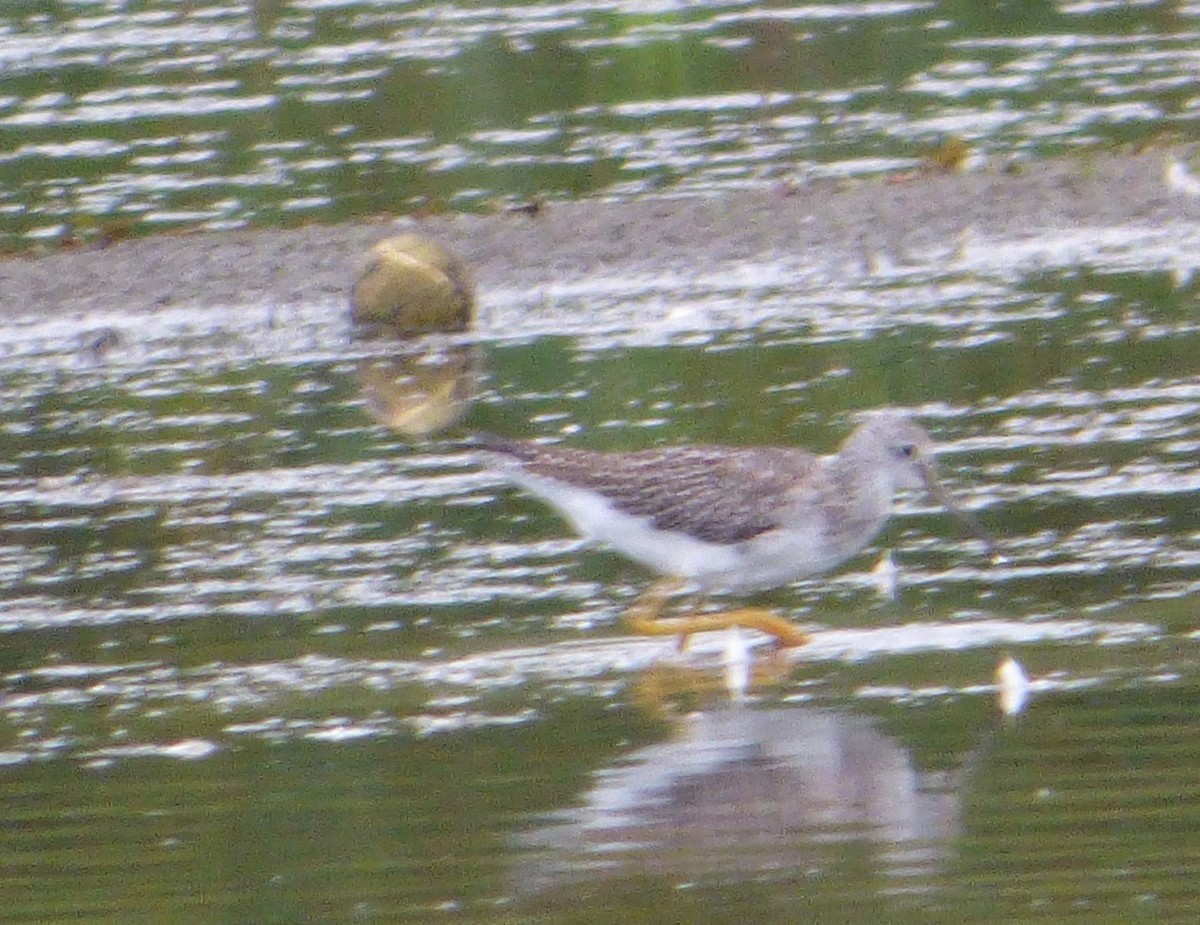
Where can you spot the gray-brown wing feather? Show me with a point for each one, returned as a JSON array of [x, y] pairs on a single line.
[[717, 494]]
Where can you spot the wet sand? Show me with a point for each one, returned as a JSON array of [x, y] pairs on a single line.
[[824, 220]]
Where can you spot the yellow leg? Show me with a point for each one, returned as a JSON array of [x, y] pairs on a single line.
[[645, 617]]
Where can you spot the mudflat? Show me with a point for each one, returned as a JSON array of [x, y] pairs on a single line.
[[823, 220]]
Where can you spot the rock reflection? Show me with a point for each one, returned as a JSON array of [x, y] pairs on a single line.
[[420, 391], [746, 792]]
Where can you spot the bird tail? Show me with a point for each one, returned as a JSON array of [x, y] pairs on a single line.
[[494, 443]]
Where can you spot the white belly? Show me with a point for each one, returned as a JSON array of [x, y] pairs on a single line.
[[767, 561]]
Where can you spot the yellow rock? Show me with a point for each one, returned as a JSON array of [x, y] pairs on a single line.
[[413, 285]]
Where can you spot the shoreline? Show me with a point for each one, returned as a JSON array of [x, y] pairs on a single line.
[[823, 220]]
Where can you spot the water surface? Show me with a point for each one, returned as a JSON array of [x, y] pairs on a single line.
[[267, 661], [333, 673], [141, 116]]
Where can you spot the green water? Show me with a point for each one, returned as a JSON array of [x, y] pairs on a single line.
[[266, 661], [1085, 811], [136, 117]]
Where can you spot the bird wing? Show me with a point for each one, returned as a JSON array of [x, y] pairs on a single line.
[[718, 494]]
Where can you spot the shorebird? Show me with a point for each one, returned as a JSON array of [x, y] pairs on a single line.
[[731, 519]]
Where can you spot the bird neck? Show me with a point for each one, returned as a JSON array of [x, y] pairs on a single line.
[[863, 491]]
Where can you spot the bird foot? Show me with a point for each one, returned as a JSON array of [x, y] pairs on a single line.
[[645, 617], [783, 632]]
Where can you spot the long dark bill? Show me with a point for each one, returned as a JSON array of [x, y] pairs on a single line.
[[969, 521]]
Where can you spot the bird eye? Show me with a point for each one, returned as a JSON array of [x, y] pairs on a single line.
[[908, 450]]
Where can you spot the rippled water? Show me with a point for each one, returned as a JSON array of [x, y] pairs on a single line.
[[266, 661], [249, 632], [135, 116]]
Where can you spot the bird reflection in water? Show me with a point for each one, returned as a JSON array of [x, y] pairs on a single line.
[[742, 792]]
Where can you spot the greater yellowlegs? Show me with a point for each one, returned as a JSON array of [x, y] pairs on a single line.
[[731, 518]]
